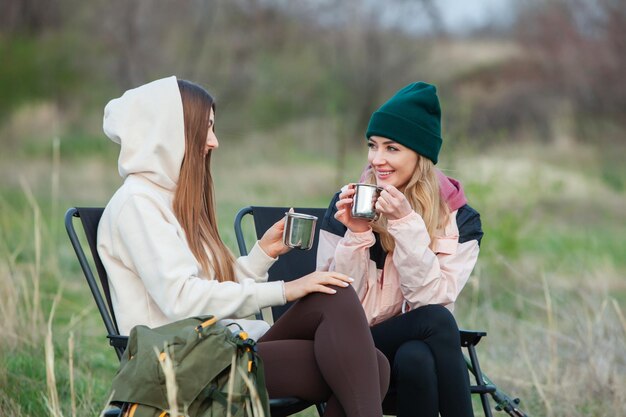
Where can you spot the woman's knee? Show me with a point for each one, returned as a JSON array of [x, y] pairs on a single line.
[[345, 294], [441, 317], [414, 363], [344, 301]]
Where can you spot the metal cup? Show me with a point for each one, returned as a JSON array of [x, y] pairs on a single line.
[[364, 201], [299, 230]]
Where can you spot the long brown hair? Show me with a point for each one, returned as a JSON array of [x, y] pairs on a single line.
[[194, 200], [424, 195]]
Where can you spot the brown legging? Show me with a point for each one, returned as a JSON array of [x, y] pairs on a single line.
[[321, 349]]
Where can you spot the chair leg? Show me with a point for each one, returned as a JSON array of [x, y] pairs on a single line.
[[479, 380]]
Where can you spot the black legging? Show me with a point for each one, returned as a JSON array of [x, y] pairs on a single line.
[[321, 350], [428, 372]]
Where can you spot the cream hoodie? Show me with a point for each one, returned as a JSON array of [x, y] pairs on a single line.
[[154, 277]]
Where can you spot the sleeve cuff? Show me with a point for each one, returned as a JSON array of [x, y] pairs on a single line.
[[259, 261], [411, 216], [271, 294], [361, 237], [411, 227]]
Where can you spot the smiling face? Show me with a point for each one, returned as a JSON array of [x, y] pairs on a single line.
[[392, 163], [211, 138]]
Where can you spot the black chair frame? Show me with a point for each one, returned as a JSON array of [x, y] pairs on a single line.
[[90, 217], [297, 263]]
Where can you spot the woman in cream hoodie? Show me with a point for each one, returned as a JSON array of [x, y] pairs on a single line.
[[159, 243]]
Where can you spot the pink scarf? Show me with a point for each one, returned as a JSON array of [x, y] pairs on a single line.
[[451, 191]]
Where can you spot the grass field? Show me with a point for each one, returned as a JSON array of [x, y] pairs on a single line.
[[549, 288]]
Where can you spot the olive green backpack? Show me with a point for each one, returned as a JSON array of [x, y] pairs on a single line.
[[202, 353]]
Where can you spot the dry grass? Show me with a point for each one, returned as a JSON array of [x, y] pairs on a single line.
[[450, 58], [548, 289], [253, 407], [170, 381], [20, 306], [52, 400], [553, 311]]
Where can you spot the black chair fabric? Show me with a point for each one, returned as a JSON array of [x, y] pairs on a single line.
[[90, 219], [295, 263]]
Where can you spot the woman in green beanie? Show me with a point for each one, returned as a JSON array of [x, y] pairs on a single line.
[[412, 261]]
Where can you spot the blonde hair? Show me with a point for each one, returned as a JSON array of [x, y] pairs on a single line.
[[423, 193], [194, 200]]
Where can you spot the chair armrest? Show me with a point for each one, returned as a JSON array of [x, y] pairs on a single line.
[[471, 337], [118, 341]]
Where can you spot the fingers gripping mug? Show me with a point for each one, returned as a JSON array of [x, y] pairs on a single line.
[[299, 231], [364, 201]]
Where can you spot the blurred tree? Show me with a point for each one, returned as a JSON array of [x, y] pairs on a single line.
[[272, 60], [566, 81], [30, 17], [369, 53], [580, 49]]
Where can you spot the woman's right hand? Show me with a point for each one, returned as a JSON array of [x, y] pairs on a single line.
[[344, 206], [272, 240], [317, 281]]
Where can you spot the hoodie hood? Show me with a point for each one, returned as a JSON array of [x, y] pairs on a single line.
[[148, 124], [451, 191]]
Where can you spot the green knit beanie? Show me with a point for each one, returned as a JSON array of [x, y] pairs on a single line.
[[411, 117]]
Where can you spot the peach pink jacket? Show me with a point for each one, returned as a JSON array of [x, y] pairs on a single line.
[[411, 276]]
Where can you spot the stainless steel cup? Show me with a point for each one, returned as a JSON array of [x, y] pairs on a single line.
[[364, 201], [299, 230]]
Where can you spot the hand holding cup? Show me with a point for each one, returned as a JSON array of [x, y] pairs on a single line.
[[393, 203], [272, 240], [345, 206]]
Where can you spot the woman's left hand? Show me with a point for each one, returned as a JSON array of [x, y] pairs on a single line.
[[272, 240], [393, 203]]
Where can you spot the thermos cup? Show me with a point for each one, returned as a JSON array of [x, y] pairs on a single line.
[[299, 231], [364, 201]]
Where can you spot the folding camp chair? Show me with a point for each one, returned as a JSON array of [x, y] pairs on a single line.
[[298, 263], [90, 218]]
